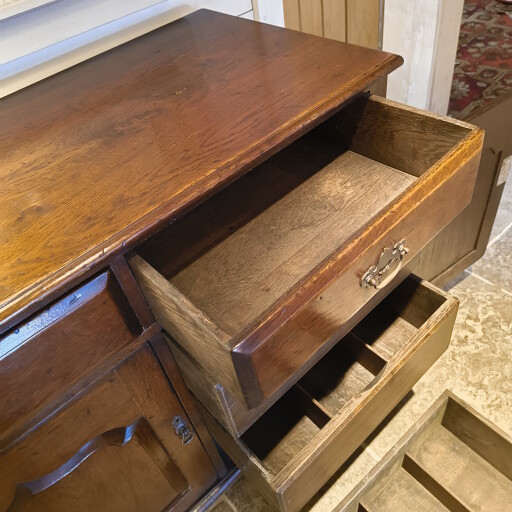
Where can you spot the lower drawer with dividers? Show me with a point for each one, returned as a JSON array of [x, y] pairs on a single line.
[[294, 447]]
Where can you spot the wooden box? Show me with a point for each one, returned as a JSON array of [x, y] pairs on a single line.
[[299, 443], [452, 459], [267, 273]]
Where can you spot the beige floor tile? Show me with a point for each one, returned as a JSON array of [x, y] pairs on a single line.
[[245, 498], [496, 264], [222, 505], [504, 216]]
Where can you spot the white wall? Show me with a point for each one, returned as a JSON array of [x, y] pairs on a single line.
[[425, 33], [269, 11], [41, 37]]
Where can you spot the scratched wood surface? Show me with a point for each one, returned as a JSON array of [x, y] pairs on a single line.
[[270, 268], [102, 154]]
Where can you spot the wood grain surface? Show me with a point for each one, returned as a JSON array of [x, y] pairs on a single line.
[[101, 155], [330, 201], [298, 444], [465, 239], [270, 268], [76, 460], [43, 359]]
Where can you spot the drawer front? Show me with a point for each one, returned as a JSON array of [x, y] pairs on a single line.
[[272, 269], [294, 448], [44, 358], [323, 320], [125, 444]]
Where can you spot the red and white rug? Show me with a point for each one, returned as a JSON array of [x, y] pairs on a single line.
[[483, 68]]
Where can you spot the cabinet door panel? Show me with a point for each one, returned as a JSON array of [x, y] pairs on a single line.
[[133, 453], [114, 448], [42, 359]]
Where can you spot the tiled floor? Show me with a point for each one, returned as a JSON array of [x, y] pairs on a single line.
[[477, 367]]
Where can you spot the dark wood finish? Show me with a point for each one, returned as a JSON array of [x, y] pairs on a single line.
[[452, 459], [101, 155], [294, 448], [45, 358], [132, 292], [269, 269], [169, 366], [465, 239], [98, 158], [113, 448], [134, 295]]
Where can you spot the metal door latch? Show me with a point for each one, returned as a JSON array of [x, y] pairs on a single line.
[[181, 428]]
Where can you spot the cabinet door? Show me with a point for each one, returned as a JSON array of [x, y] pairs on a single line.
[[125, 445], [45, 360]]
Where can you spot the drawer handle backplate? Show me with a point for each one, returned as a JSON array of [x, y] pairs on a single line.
[[387, 268]]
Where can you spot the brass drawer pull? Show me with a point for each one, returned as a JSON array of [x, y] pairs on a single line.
[[181, 428], [387, 268]]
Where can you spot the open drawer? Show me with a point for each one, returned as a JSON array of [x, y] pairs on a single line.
[[300, 442], [452, 460], [266, 273]]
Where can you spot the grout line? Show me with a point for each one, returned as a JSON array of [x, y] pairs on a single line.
[[230, 503], [482, 278], [367, 448], [499, 235]]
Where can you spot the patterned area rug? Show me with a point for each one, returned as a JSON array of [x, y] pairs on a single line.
[[483, 68]]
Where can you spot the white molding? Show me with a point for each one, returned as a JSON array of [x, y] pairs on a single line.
[[32, 66], [425, 34], [10, 8], [444, 55], [56, 22]]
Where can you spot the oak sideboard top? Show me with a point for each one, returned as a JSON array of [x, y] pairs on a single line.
[[100, 156]]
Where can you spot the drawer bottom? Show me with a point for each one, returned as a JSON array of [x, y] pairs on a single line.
[[300, 442], [451, 460]]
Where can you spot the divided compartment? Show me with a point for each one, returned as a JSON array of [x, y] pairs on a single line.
[[270, 267], [452, 459], [294, 421], [294, 447]]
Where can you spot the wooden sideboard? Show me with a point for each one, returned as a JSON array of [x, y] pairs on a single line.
[[265, 204]]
